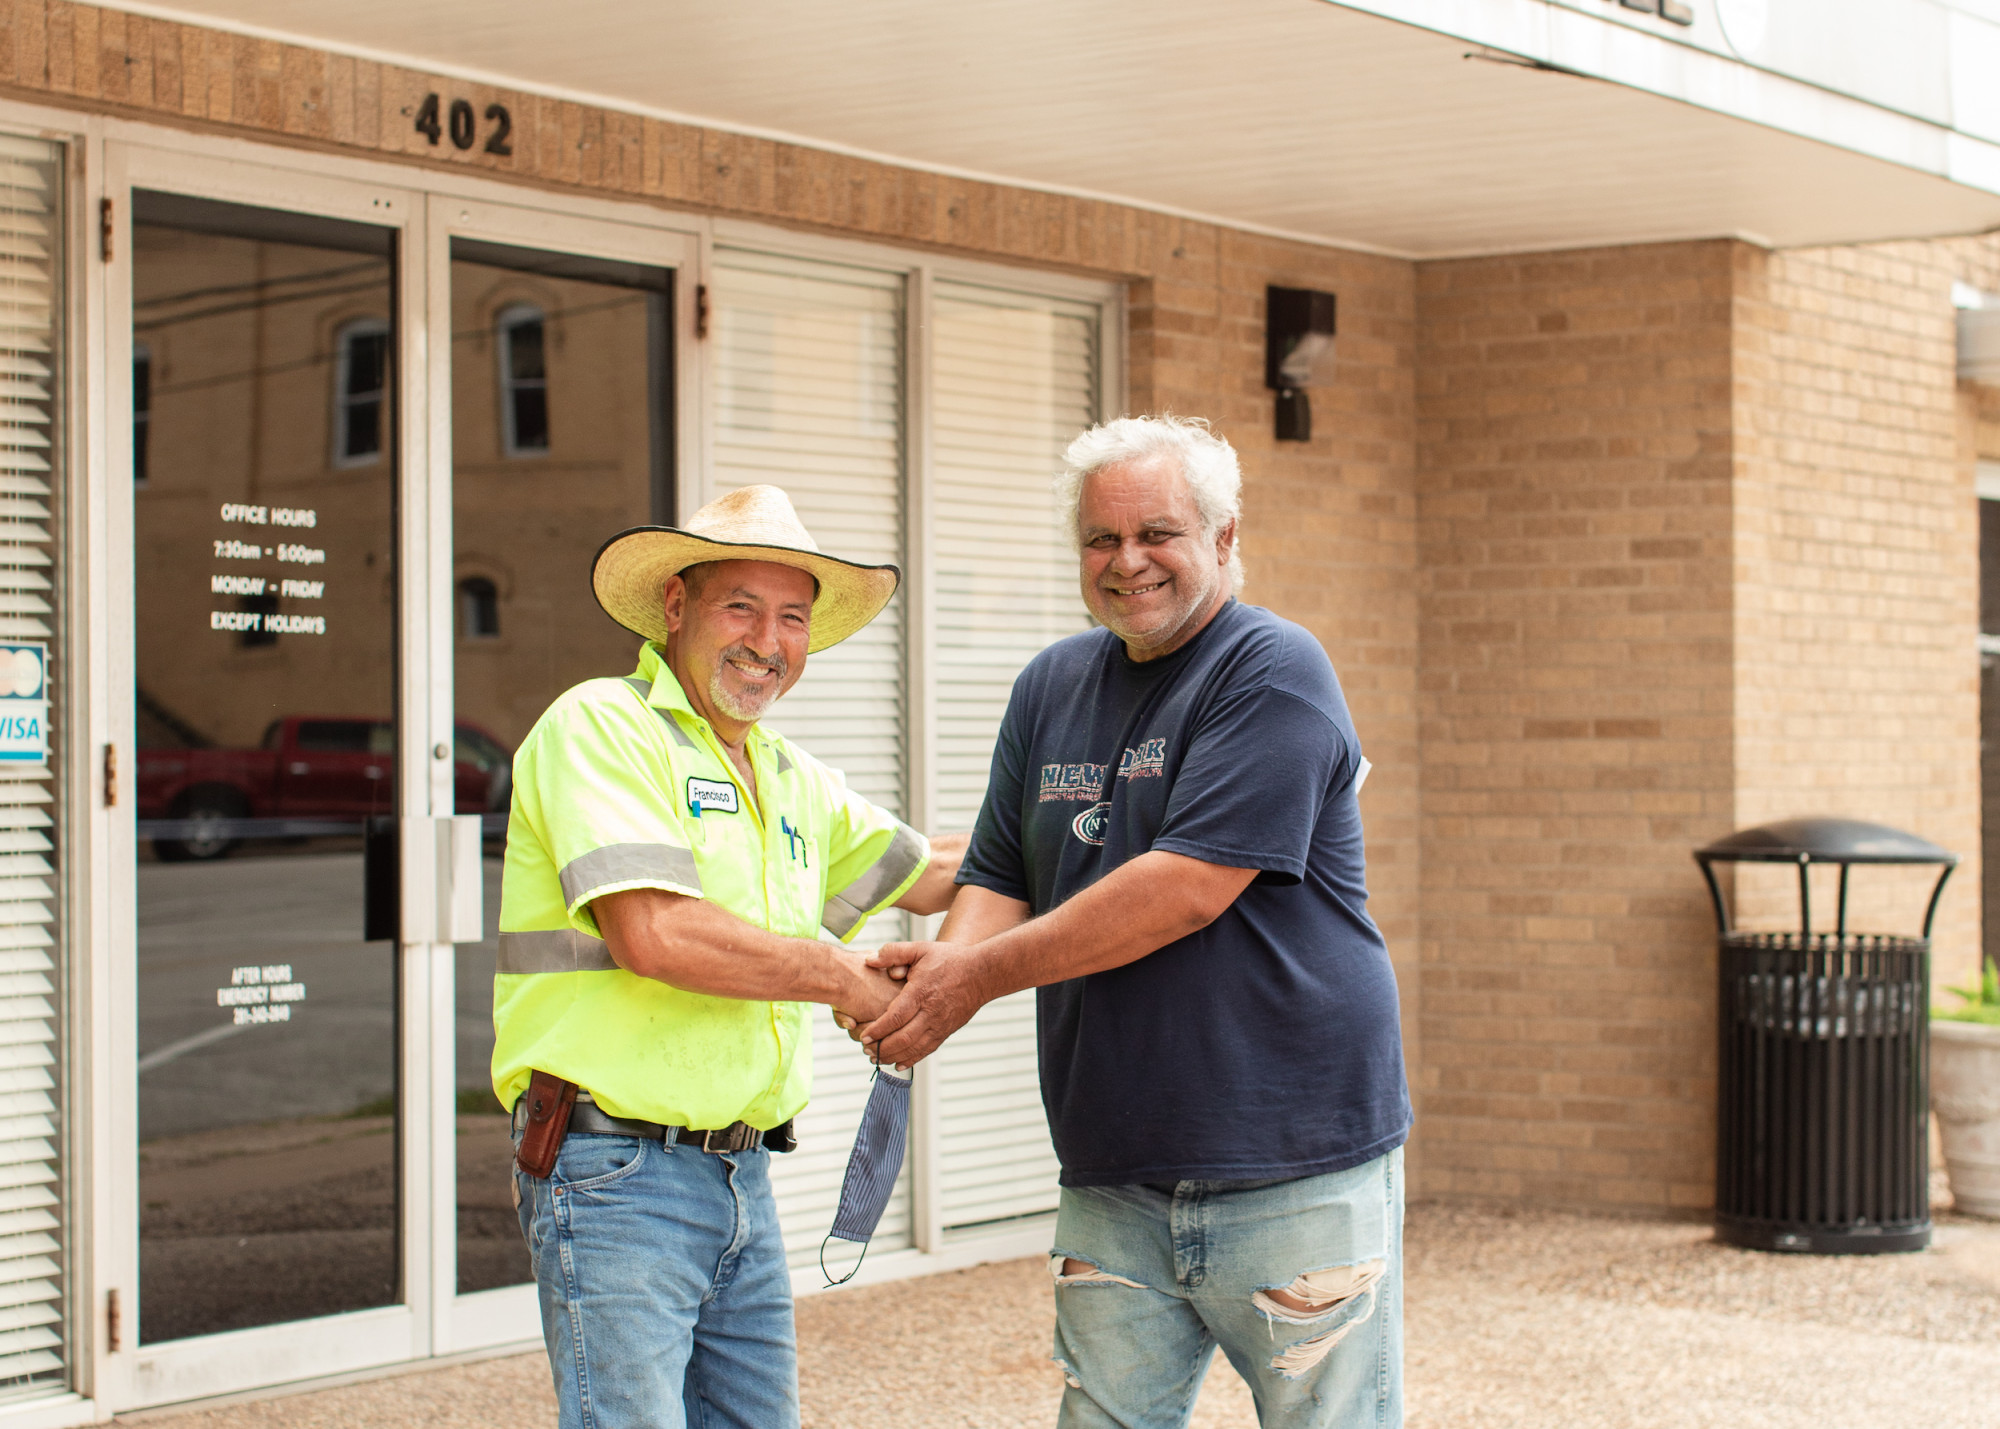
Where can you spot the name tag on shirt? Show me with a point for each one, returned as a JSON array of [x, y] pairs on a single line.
[[717, 796]]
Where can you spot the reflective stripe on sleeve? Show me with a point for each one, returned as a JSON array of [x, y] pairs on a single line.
[[673, 725], [784, 764], [628, 863], [884, 876], [554, 950]]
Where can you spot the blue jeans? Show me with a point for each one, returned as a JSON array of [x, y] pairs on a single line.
[[665, 1297], [1173, 1276]]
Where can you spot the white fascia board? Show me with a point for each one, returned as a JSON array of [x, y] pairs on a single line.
[[1622, 54], [1972, 162], [1975, 76]]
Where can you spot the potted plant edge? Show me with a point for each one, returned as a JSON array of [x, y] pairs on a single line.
[[1965, 1091]]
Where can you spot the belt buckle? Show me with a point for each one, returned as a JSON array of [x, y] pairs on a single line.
[[727, 1133]]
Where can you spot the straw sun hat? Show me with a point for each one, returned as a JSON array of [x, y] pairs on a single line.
[[753, 523]]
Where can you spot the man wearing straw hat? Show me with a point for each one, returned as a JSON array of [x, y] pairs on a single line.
[[669, 866]]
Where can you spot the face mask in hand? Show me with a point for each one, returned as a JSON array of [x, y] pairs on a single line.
[[873, 1165]]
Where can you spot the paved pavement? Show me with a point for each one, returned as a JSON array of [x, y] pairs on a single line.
[[1516, 1319]]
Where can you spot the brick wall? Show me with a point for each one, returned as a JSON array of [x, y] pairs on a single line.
[[1699, 551], [1573, 469], [1857, 573]]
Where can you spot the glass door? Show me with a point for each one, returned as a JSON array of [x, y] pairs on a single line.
[[563, 426], [265, 534]]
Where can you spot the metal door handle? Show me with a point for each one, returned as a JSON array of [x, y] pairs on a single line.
[[381, 881]]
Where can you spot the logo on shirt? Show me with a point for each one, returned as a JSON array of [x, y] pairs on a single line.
[[1072, 783], [1147, 760], [1091, 823], [712, 796]]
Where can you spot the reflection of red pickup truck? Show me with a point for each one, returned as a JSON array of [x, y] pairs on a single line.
[[338, 770]]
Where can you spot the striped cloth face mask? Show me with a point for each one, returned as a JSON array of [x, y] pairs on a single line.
[[872, 1167]]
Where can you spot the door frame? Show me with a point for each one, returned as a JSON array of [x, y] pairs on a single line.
[[432, 1319], [207, 1365], [486, 1319]]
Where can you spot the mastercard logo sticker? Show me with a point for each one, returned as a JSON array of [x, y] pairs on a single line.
[[20, 672]]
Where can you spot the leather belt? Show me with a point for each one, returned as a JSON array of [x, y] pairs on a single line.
[[585, 1117]]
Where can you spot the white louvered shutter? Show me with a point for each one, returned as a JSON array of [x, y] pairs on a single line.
[[1016, 378], [31, 1317], [808, 371]]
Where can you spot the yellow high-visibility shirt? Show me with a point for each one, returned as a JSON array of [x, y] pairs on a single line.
[[620, 785]]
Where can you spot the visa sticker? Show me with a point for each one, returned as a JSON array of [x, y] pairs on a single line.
[[712, 796], [24, 702]]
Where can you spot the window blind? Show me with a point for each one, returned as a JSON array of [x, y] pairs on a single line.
[[1015, 379], [808, 375], [31, 1227]]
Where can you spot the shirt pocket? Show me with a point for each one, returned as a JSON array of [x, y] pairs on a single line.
[[805, 886]]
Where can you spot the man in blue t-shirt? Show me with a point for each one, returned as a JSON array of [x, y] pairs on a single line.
[[1171, 851]]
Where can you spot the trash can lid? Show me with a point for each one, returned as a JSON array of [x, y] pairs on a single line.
[[1824, 841]]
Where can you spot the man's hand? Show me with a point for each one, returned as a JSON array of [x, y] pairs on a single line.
[[873, 991], [991, 947], [944, 985]]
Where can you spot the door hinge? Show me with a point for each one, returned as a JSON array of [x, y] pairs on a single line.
[[105, 227], [701, 310], [110, 776], [112, 1328]]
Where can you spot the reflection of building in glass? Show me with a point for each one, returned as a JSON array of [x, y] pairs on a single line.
[[561, 451], [263, 378], [265, 388], [361, 377], [478, 609], [524, 384]]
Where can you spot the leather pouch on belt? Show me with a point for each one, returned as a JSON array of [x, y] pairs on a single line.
[[549, 1100]]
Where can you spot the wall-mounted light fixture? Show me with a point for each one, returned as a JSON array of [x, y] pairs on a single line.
[[1298, 344]]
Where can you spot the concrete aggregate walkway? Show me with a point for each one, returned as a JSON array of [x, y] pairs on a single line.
[[1525, 1318]]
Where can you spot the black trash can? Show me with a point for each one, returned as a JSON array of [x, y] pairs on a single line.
[[1823, 1099]]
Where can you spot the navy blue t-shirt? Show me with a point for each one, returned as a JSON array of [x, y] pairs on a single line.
[[1266, 1045]]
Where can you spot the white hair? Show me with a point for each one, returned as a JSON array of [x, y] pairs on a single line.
[[1207, 463]]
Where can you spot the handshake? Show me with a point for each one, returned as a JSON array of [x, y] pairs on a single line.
[[909, 997]]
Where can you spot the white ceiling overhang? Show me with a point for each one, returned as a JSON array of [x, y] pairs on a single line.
[[1291, 116]]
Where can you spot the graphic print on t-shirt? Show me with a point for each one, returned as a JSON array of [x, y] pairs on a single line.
[[1072, 783], [1145, 760], [1089, 825], [1084, 783]]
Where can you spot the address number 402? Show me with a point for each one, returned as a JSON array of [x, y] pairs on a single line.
[[458, 122]]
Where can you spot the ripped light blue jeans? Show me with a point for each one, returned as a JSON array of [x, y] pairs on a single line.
[[1172, 1276], [665, 1297]]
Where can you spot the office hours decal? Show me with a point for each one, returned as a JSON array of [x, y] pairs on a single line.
[[257, 615]]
